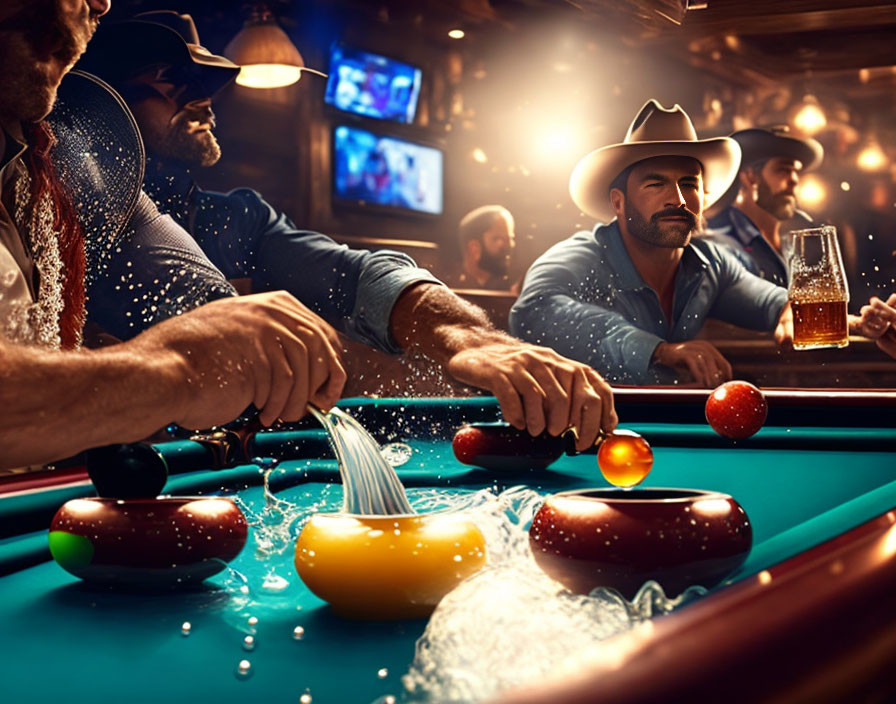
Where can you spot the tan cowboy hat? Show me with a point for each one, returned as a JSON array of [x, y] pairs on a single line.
[[656, 131]]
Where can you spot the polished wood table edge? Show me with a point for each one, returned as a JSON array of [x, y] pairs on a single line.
[[40, 479], [807, 629], [774, 395]]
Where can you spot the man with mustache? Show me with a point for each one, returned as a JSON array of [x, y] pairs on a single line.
[[168, 80], [629, 297], [486, 241], [764, 198]]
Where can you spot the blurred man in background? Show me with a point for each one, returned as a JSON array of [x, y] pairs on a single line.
[[487, 240]]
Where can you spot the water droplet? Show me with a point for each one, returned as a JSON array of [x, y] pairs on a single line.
[[396, 453], [274, 583], [243, 670]]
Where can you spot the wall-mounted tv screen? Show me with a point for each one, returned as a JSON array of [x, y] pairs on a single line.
[[372, 85], [371, 169]]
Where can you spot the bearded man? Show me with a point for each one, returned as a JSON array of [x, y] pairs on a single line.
[[763, 198], [629, 297], [486, 240]]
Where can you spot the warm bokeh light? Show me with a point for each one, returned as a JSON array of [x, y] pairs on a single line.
[[457, 34], [268, 75], [479, 156], [810, 118], [872, 157], [844, 185], [811, 191], [552, 140]]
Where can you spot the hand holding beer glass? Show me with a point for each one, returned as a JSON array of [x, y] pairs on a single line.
[[818, 292]]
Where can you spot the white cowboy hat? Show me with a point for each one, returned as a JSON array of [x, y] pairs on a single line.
[[656, 131]]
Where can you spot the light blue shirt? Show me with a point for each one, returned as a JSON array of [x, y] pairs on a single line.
[[584, 298]]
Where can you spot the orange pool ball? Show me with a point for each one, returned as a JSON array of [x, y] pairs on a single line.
[[624, 458]]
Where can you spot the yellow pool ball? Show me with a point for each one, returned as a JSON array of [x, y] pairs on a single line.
[[624, 458], [384, 567]]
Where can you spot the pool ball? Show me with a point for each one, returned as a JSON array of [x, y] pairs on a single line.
[[147, 543], [624, 458], [587, 538], [736, 410], [501, 446], [136, 471], [387, 567]]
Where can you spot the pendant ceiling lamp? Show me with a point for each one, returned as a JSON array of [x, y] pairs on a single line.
[[266, 55]]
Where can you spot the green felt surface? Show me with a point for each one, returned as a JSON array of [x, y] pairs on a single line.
[[112, 647]]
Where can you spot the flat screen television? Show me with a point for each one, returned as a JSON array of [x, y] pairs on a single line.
[[382, 171], [372, 85]]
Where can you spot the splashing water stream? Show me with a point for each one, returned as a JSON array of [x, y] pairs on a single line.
[[370, 484]]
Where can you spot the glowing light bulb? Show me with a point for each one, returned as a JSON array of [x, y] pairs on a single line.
[[810, 118], [812, 191], [872, 157]]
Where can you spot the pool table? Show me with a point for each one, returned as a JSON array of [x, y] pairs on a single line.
[[810, 615]]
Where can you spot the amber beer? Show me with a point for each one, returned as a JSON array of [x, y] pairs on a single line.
[[818, 291], [819, 324]]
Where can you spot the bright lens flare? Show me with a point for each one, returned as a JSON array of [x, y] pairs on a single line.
[[555, 141]]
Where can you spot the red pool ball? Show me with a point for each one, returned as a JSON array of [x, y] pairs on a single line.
[[736, 410], [147, 543], [503, 447]]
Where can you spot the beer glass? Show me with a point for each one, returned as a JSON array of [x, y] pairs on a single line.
[[818, 292]]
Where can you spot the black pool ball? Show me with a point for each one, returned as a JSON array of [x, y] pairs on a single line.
[[135, 471]]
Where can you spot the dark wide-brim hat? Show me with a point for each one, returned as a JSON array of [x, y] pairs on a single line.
[[120, 51], [763, 143], [655, 131]]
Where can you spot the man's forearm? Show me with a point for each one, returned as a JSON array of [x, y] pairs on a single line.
[[53, 405], [436, 321]]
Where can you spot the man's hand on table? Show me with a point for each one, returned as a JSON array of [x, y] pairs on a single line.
[[699, 358], [537, 388], [784, 328], [267, 349], [877, 321]]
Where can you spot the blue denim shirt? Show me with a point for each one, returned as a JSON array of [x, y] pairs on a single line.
[[734, 230], [157, 271], [584, 298], [354, 290]]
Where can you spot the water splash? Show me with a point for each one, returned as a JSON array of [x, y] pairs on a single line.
[[370, 484], [511, 624]]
